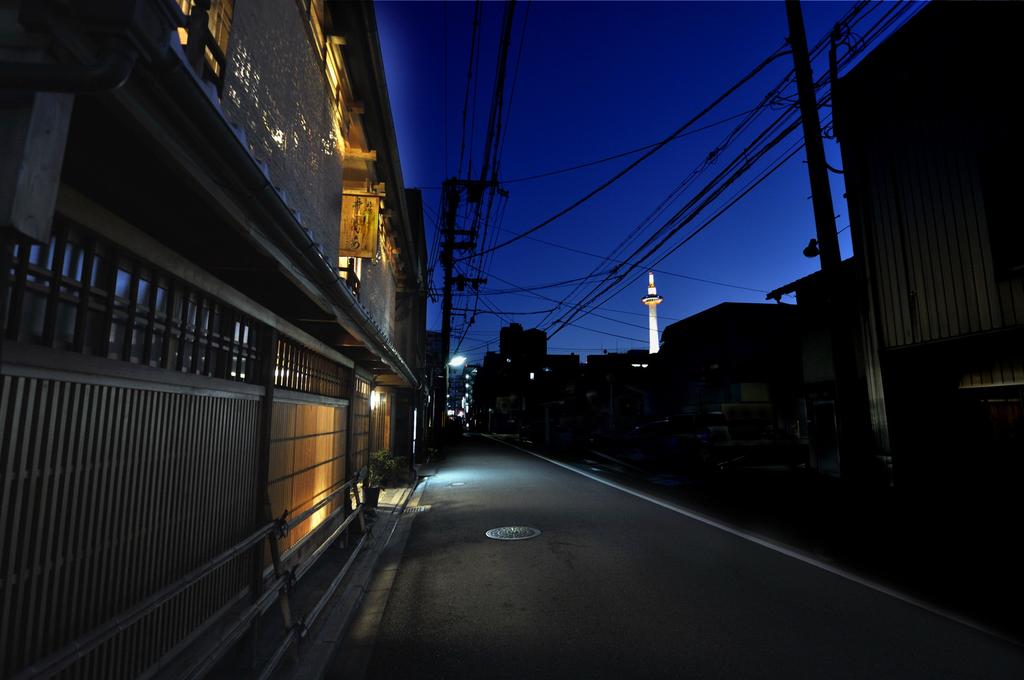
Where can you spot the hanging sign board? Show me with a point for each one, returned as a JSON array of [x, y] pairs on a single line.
[[360, 220]]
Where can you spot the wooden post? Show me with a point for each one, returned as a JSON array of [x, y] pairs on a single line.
[[198, 34], [821, 191], [264, 513], [838, 309], [33, 133]]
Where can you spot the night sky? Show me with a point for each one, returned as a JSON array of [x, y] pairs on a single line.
[[596, 79]]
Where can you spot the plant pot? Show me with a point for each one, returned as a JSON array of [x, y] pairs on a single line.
[[371, 494]]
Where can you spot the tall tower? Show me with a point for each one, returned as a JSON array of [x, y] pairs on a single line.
[[652, 300]]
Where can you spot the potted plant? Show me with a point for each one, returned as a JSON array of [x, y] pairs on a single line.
[[382, 465]]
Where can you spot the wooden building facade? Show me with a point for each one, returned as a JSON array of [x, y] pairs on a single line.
[[194, 369]]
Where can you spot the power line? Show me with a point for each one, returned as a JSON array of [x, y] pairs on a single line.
[[473, 53], [750, 155], [525, 291], [614, 335], [515, 73], [603, 292], [714, 194], [677, 191], [504, 313], [600, 290], [542, 286], [657, 147], [666, 272], [579, 307], [444, 91], [622, 154]]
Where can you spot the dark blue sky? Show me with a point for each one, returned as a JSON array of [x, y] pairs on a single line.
[[596, 79]]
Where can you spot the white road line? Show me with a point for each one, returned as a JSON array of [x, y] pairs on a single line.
[[616, 460], [779, 548]]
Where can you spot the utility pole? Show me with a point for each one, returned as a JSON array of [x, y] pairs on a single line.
[[821, 191], [450, 195], [839, 305], [451, 192]]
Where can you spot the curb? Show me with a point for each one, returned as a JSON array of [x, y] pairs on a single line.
[[318, 649]]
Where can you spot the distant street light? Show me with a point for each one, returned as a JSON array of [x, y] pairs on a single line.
[[457, 361]]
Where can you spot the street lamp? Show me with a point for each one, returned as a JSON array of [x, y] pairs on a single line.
[[457, 361]]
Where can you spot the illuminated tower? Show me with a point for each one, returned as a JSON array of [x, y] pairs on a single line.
[[652, 300]]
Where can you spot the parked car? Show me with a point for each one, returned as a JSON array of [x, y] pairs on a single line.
[[454, 428], [677, 442], [708, 441], [737, 442]]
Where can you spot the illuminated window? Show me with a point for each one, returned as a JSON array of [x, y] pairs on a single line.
[[221, 13], [328, 48], [82, 293], [215, 41], [316, 22], [350, 269]]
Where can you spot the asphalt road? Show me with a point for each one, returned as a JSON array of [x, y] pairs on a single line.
[[617, 586]]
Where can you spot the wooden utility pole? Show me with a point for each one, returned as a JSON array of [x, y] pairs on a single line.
[[821, 191], [450, 196], [451, 192], [840, 307]]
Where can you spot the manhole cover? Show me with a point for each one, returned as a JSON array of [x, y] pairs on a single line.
[[513, 533]]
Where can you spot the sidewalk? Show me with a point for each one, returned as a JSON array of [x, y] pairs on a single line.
[[323, 599], [320, 642]]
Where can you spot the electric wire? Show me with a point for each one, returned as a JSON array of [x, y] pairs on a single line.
[[473, 51], [712, 190], [657, 147], [890, 16], [818, 47]]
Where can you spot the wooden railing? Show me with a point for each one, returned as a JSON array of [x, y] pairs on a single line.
[[202, 51], [277, 590], [349, 276]]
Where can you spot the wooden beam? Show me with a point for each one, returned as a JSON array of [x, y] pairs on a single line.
[[360, 155], [93, 216], [32, 141], [390, 380]]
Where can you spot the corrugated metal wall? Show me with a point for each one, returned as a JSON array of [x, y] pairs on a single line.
[[929, 242], [994, 373], [930, 152], [108, 494]]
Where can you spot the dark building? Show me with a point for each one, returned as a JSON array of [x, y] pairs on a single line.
[[738, 359], [619, 388], [212, 307], [816, 306], [931, 149], [523, 390], [437, 379], [529, 346]]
